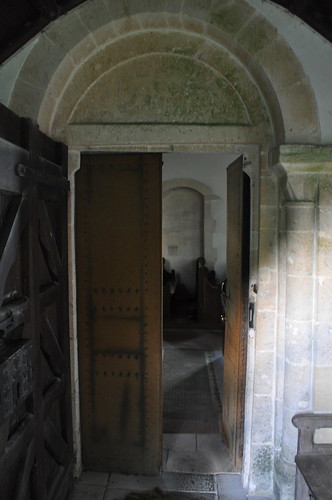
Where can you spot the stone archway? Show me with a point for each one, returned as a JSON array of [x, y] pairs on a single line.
[[221, 39], [76, 68]]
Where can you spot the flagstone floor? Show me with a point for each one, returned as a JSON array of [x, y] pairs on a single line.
[[196, 465]]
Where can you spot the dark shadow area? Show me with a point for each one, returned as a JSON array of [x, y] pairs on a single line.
[[192, 381], [201, 309], [192, 388]]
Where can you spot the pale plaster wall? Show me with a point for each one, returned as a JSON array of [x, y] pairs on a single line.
[[210, 169], [183, 235]]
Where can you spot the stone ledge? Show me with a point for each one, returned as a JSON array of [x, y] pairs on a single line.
[[305, 155]]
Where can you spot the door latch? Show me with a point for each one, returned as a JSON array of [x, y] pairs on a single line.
[[252, 302]]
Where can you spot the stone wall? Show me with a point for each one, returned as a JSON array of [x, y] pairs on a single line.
[[305, 236], [211, 76]]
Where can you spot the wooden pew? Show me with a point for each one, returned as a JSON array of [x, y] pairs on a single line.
[[169, 286], [313, 460], [209, 305]]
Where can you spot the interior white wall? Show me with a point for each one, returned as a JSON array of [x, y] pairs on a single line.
[[209, 169]]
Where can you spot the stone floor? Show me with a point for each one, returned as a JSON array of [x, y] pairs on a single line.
[[103, 486], [196, 466], [196, 453]]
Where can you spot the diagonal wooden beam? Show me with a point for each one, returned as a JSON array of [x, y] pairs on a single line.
[[24, 477], [52, 393], [51, 348], [55, 443], [48, 243], [13, 225], [20, 438]]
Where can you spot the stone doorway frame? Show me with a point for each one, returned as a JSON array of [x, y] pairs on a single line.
[[251, 154]]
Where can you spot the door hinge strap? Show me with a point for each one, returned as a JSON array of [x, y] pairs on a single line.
[[39, 176]]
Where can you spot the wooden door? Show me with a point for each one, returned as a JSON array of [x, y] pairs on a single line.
[[238, 236], [118, 248], [35, 399]]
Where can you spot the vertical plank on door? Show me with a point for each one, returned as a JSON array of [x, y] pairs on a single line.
[[238, 236], [118, 241]]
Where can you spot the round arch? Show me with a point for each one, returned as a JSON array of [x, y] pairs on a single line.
[[225, 53]]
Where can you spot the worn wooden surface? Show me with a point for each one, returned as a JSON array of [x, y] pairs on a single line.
[[317, 473], [35, 417], [209, 306], [119, 311], [238, 233], [313, 459]]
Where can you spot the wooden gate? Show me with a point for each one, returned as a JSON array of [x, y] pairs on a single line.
[[35, 400], [235, 351], [118, 251]]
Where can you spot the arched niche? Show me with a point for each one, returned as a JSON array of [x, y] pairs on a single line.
[[208, 222], [183, 234]]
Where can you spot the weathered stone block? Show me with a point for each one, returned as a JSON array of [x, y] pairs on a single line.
[[299, 108], [192, 24], [299, 298], [280, 342], [323, 389], [26, 99], [265, 274], [268, 248], [230, 16], [262, 468], [300, 253], [294, 188], [257, 34], [323, 344], [268, 217], [273, 57], [311, 187], [59, 80], [94, 14], [105, 34], [325, 219], [268, 191], [324, 299], [325, 188], [197, 8], [297, 385], [45, 114], [324, 260], [267, 292], [279, 406], [128, 24], [67, 31], [289, 441], [40, 63], [299, 338], [262, 427], [83, 49], [264, 373], [300, 216], [117, 10], [265, 325], [159, 20]]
